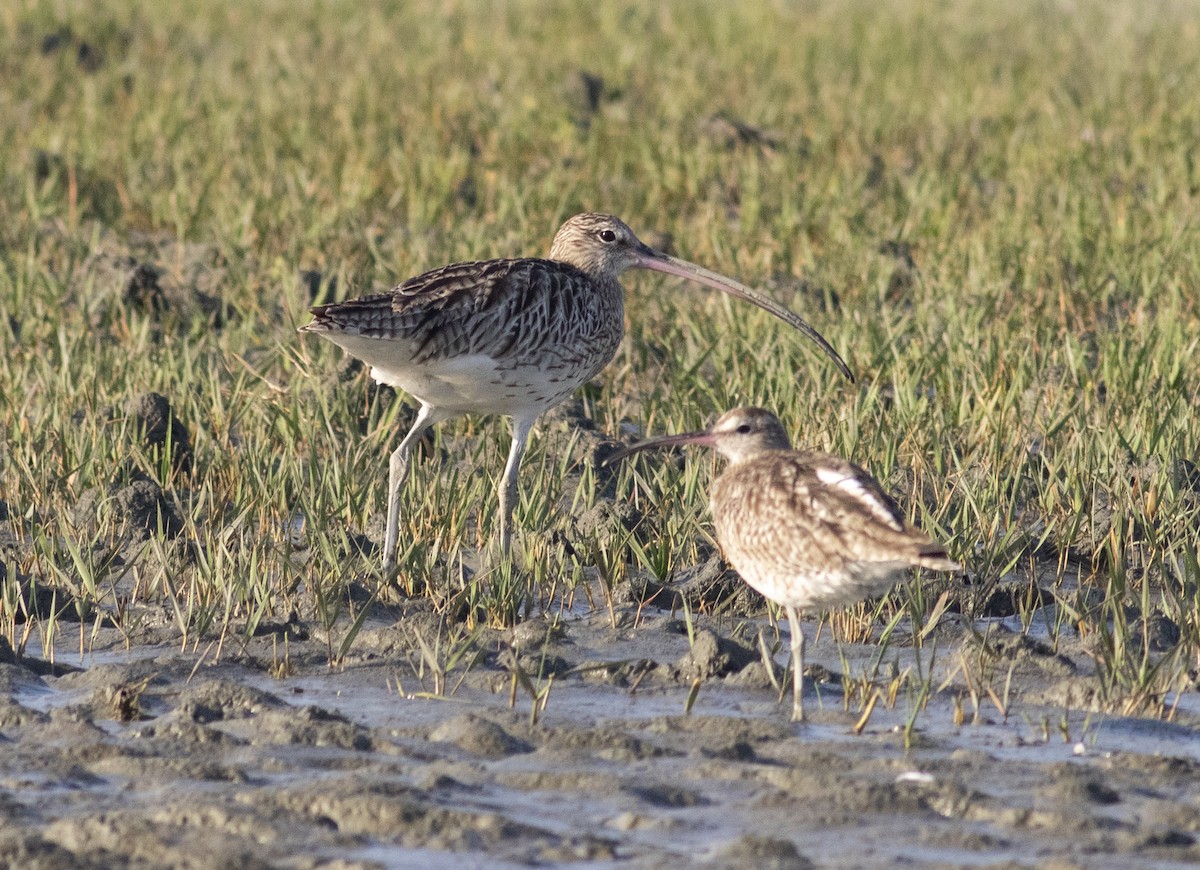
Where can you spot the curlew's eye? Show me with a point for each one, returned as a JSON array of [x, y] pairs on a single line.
[[744, 429], [608, 236]]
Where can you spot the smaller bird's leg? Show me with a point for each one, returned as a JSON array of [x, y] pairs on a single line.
[[398, 466], [521, 427], [793, 618]]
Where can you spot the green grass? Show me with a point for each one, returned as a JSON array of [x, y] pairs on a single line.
[[989, 212]]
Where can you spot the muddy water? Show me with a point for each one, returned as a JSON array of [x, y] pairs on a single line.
[[155, 757]]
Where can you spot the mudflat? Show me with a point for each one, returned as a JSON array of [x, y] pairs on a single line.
[[567, 741]]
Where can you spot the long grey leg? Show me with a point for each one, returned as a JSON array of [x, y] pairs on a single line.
[[398, 466], [508, 484], [797, 664]]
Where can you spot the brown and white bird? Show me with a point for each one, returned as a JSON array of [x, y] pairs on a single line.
[[512, 337], [804, 529]]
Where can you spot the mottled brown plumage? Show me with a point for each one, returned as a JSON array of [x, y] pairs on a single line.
[[805, 529], [512, 337]]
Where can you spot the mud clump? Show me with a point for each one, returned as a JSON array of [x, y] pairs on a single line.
[[145, 509], [714, 584], [479, 736], [160, 428], [610, 743], [167, 280], [544, 666], [604, 516], [142, 289], [23, 671], [32, 852], [124, 839], [712, 656], [641, 588], [1026, 656], [14, 715], [730, 132], [534, 633], [765, 853], [403, 816], [1000, 599], [220, 700], [1070, 785], [139, 505], [1157, 633], [309, 726], [583, 90]]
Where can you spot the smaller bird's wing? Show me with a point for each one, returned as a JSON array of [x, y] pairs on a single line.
[[892, 536], [838, 488], [809, 512], [479, 307]]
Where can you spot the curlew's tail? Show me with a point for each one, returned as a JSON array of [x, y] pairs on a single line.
[[322, 321]]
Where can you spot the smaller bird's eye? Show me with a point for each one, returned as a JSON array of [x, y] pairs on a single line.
[[608, 236], [744, 429]]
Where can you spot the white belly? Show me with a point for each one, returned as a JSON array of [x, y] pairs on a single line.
[[472, 383], [821, 588], [477, 384]]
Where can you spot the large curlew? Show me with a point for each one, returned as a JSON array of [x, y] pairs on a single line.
[[804, 529], [512, 337]]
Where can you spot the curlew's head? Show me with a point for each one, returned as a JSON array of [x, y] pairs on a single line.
[[604, 247], [600, 244], [738, 435]]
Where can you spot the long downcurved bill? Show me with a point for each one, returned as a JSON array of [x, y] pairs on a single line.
[[704, 438], [657, 261]]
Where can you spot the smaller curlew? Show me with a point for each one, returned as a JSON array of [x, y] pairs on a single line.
[[804, 529], [512, 337]]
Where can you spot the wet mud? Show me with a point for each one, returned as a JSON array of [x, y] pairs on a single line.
[[571, 741]]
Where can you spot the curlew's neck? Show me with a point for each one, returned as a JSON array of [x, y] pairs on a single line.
[[585, 260]]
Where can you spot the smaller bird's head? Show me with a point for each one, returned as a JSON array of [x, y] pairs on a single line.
[[746, 432], [600, 244], [738, 435]]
